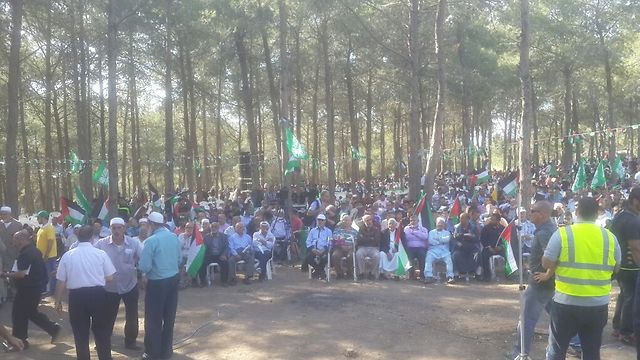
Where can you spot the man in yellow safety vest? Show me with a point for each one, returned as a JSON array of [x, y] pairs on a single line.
[[583, 257]]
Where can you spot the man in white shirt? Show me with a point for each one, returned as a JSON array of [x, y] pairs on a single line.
[[84, 271], [263, 241]]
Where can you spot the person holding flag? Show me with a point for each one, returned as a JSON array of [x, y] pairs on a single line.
[[417, 237], [124, 253], [393, 257]]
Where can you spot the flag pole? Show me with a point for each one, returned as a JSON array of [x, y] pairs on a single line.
[[521, 288]]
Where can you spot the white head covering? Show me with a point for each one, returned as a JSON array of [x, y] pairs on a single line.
[[116, 221], [156, 217], [5, 209]]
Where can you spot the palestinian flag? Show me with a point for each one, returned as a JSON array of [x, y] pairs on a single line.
[[483, 177], [423, 209], [195, 257], [71, 211], [156, 202], [101, 210], [456, 210], [505, 239], [510, 184], [403, 260]]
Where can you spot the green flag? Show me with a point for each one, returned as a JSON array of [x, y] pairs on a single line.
[[553, 170], [599, 180], [82, 201], [618, 169], [355, 154], [295, 148], [76, 164], [580, 182], [292, 165], [101, 176], [198, 168]]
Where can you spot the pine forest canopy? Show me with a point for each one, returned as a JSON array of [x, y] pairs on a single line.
[[171, 91]]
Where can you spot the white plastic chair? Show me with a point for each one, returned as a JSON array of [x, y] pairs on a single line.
[[256, 264], [210, 272], [492, 264], [270, 267]]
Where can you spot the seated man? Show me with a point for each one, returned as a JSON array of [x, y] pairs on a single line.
[[217, 250], [343, 238], [489, 237], [263, 241], [466, 247], [282, 231], [417, 242], [241, 248], [390, 241], [318, 246], [439, 250], [368, 246]]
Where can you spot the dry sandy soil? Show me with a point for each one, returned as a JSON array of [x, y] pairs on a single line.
[[292, 317]]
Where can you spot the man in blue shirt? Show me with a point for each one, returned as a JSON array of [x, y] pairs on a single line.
[[241, 248], [159, 263], [318, 245]]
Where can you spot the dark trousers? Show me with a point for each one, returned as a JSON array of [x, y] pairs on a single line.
[[130, 301], [636, 316], [87, 311], [569, 320], [263, 258], [160, 303], [623, 315], [51, 264], [224, 268], [417, 253], [25, 308], [318, 263]]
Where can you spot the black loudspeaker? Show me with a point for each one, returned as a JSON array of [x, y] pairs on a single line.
[[245, 165]]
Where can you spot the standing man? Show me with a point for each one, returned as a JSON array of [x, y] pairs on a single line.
[[46, 243], [241, 248], [8, 252], [541, 284], [626, 227], [84, 271], [124, 253], [583, 256], [29, 276], [160, 263]]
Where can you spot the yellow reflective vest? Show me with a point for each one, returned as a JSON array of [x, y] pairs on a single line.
[[586, 260]]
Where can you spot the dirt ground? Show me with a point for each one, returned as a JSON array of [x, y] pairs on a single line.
[[292, 317]]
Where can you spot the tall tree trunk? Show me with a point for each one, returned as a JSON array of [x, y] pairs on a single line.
[[49, 166], [62, 152], [353, 121], [103, 128], [383, 169], [397, 144], [112, 147], [125, 148], [611, 120], [284, 90], [315, 161], [369, 129], [193, 130], [168, 103], [415, 147], [299, 86], [525, 120], [82, 109], [28, 189], [188, 151], [65, 127], [567, 154], [534, 124], [206, 164], [438, 123], [273, 96], [328, 92], [13, 95], [247, 97], [135, 126], [467, 158], [575, 124]]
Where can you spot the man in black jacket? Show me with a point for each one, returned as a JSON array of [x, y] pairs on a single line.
[[29, 275], [217, 246]]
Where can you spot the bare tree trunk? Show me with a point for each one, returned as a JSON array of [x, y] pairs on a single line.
[[28, 188], [193, 130], [188, 150], [135, 120], [62, 152], [284, 92], [273, 95], [168, 103], [328, 85], [611, 120], [534, 124], [247, 97], [299, 86], [467, 158], [575, 120], [438, 124], [567, 154], [219, 172], [525, 121], [125, 148], [314, 120], [13, 95], [397, 144], [112, 147], [353, 121], [415, 153], [103, 128], [383, 170], [369, 130], [206, 182], [82, 109], [65, 127], [47, 201]]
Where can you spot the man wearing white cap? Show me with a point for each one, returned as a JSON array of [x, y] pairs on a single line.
[[8, 251], [318, 246], [160, 263], [263, 241], [124, 253]]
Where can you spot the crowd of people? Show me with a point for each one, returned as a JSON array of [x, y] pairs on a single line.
[[358, 234]]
